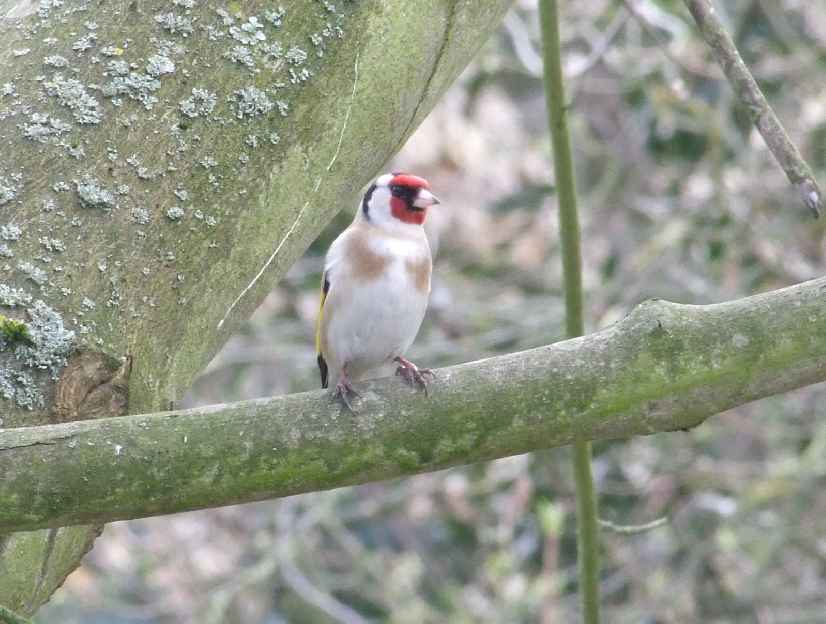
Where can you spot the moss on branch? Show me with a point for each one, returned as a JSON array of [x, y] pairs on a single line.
[[665, 367], [13, 331]]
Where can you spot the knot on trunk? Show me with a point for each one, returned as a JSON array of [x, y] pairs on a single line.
[[92, 385]]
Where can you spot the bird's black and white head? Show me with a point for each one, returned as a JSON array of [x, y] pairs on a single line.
[[397, 200]]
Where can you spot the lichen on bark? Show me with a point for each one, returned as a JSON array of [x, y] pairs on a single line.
[[166, 161]]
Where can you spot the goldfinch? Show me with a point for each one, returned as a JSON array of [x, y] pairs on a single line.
[[375, 286]]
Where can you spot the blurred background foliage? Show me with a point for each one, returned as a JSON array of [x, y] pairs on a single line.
[[680, 200]]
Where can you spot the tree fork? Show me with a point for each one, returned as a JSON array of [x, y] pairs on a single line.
[[163, 165]]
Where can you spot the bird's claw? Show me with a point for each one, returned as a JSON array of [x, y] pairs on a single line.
[[343, 391], [414, 375]]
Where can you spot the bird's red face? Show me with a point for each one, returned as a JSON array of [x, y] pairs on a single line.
[[410, 198], [399, 197]]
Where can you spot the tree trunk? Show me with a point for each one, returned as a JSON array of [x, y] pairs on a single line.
[[164, 164]]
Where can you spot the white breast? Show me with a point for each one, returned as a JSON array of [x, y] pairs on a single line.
[[376, 320]]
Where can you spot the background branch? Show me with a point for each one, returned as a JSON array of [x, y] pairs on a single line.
[[557, 104], [665, 367], [751, 97]]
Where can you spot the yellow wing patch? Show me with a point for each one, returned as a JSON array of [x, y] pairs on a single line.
[[322, 363]]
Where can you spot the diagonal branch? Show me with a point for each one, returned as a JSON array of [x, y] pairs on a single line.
[[751, 97], [665, 367]]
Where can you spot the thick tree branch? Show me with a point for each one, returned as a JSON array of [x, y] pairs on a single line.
[[665, 367], [751, 97]]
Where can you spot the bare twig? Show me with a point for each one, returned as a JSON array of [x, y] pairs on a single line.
[[633, 529], [662, 43], [297, 581], [531, 60], [750, 95], [522, 45], [601, 46]]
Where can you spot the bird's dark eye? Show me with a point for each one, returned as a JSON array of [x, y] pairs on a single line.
[[406, 193]]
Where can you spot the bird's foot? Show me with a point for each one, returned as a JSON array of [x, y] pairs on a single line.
[[344, 389], [412, 374]]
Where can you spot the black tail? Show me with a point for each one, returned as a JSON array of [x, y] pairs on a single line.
[[322, 366]]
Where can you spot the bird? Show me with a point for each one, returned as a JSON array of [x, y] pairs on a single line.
[[375, 287]]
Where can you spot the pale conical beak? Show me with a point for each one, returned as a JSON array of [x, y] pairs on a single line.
[[425, 198]]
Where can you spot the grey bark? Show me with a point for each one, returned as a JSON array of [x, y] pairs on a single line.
[[163, 164]]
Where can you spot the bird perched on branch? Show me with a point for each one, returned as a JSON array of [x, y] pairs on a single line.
[[375, 286]]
